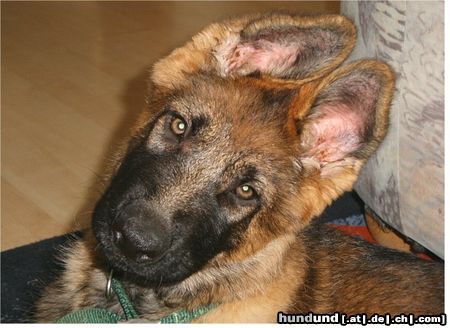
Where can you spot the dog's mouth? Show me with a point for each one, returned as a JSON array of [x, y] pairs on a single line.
[[166, 266]]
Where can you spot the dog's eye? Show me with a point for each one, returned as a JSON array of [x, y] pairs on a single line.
[[178, 126], [245, 192]]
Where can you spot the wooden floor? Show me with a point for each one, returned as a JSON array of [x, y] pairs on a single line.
[[73, 79]]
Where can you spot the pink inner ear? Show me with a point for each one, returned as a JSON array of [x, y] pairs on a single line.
[[336, 133], [263, 56]]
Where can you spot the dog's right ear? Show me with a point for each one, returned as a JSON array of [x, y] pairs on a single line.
[[279, 47]]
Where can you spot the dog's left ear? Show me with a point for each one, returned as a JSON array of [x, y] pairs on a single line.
[[342, 119]]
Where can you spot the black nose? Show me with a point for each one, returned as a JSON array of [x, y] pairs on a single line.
[[141, 234]]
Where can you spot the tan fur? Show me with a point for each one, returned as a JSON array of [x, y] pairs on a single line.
[[264, 306]]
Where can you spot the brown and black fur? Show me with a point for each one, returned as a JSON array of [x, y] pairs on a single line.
[[267, 105]]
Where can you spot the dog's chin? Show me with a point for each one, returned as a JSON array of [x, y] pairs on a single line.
[[150, 276], [165, 271]]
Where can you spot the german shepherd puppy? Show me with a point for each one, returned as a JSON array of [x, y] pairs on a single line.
[[252, 129]]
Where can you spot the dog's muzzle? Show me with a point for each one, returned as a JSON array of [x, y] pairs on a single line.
[[140, 234]]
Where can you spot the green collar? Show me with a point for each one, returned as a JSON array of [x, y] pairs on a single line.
[[96, 315], [185, 316]]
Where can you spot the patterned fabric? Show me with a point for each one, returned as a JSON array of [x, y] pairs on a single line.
[[404, 182]]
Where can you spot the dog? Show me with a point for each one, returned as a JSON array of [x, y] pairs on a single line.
[[251, 129]]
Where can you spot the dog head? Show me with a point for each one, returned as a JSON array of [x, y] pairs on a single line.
[[251, 130]]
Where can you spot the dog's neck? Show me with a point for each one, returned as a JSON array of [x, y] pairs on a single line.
[[233, 281]]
